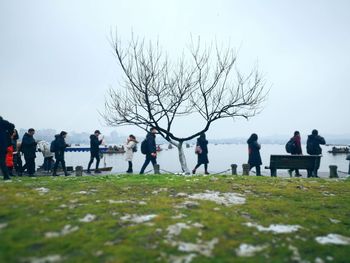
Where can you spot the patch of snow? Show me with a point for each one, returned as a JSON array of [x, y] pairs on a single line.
[[88, 218], [220, 198], [67, 229], [203, 248], [175, 230], [182, 259], [319, 260], [275, 228], [333, 239], [3, 225], [246, 250], [82, 192], [179, 216], [138, 219], [142, 203], [181, 195], [47, 259], [42, 190], [334, 221]]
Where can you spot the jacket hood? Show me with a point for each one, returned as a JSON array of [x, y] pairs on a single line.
[[92, 136], [57, 136]]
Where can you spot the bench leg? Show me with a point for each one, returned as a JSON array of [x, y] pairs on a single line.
[[273, 172]]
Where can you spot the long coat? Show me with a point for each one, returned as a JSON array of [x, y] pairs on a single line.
[[28, 146], [6, 128], [254, 153], [129, 153], [203, 156], [94, 144]]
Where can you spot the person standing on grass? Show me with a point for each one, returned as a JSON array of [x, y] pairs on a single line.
[[295, 149], [10, 153], [202, 153], [95, 150], [313, 148], [44, 148], [6, 128], [151, 151], [58, 147], [131, 147], [28, 148], [254, 159], [17, 160]]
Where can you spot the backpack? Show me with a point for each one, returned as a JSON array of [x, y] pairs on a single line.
[[144, 147], [53, 147], [134, 149], [290, 146]]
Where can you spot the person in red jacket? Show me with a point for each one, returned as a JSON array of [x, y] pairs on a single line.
[[9, 159]]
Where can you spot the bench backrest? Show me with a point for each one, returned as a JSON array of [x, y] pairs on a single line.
[[294, 161]]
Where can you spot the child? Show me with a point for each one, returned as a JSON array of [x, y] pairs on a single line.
[[9, 159]]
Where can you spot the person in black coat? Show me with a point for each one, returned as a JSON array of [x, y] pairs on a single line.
[[28, 148], [6, 128], [151, 155], [202, 152], [313, 148], [95, 151], [254, 159], [59, 146]]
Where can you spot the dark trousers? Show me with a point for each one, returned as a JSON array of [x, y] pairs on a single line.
[[59, 156], [3, 166], [29, 165], [18, 163], [94, 156], [48, 163], [205, 167], [149, 158], [257, 168], [129, 167], [313, 173]]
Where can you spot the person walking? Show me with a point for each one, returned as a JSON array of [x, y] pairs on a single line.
[[151, 151], [295, 149], [202, 153], [131, 147], [58, 147], [6, 128], [313, 148], [254, 159], [95, 150], [28, 148], [44, 148]]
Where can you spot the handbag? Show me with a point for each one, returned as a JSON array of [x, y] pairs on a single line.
[[198, 150]]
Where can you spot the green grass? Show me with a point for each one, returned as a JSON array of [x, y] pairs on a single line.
[[311, 204]]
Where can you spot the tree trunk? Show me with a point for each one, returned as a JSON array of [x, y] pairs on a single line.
[[182, 158]]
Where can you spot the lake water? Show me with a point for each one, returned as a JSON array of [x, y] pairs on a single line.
[[221, 156]]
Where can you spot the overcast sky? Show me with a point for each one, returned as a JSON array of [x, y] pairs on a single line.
[[56, 62]]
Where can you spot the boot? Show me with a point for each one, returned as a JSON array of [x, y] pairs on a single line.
[[54, 173], [194, 171]]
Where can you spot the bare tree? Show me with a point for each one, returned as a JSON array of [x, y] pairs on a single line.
[[156, 92]]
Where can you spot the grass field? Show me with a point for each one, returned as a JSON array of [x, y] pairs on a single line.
[[167, 218]]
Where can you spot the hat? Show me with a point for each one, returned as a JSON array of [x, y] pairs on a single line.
[[97, 131]]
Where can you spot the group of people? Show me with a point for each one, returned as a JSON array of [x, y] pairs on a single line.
[[313, 143], [10, 151]]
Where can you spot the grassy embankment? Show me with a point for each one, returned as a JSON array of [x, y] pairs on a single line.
[[44, 218]]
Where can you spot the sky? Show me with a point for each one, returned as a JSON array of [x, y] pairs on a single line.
[[56, 61]]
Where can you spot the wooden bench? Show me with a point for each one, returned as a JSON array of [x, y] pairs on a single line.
[[309, 162]]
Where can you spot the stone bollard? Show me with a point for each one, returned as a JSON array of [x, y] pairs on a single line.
[[348, 158], [78, 170], [246, 168], [156, 168], [234, 169], [333, 171]]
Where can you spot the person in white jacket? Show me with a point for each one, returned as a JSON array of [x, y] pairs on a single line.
[[130, 147], [44, 148]]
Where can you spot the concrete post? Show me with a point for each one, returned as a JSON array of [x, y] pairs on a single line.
[[234, 169], [246, 168], [348, 158], [156, 168], [333, 171], [79, 170]]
